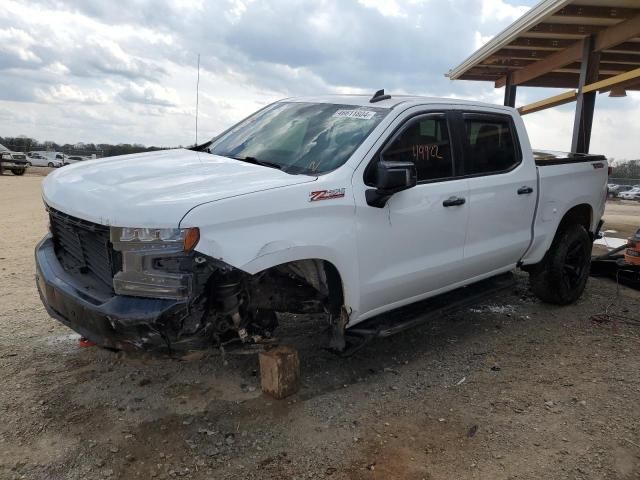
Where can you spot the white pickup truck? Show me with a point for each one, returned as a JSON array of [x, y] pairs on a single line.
[[344, 205]]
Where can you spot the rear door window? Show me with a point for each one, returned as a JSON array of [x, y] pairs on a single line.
[[492, 146]]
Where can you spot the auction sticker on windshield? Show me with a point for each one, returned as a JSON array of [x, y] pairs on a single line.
[[359, 114]]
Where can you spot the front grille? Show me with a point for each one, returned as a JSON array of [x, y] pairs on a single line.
[[84, 247], [18, 157]]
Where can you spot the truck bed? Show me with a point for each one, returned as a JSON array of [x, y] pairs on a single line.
[[565, 180], [548, 157]]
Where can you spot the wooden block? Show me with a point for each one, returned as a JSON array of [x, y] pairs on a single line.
[[280, 371]]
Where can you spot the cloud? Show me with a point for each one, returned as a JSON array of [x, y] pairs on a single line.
[[96, 71], [149, 94], [388, 8], [71, 94], [500, 10], [99, 56], [480, 39], [236, 9], [16, 49]]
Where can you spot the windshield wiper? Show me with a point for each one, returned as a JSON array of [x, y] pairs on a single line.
[[264, 163]]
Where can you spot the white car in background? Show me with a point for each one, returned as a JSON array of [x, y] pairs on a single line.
[[45, 159], [633, 194]]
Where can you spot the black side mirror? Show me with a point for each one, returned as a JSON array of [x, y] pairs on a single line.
[[392, 177]]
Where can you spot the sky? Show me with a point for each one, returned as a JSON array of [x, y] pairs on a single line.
[[98, 71]]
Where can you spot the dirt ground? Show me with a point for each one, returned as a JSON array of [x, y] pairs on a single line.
[[512, 389], [622, 216]]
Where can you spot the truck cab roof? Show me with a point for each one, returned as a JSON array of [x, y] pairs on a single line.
[[362, 100]]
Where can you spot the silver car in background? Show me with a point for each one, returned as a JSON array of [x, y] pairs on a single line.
[[633, 194], [45, 159]]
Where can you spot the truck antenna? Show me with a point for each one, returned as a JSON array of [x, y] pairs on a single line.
[[379, 96], [197, 98]]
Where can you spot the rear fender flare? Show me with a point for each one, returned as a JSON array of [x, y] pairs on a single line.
[[538, 251]]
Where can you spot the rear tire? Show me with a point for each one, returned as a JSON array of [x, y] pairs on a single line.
[[18, 171], [562, 275], [50, 165]]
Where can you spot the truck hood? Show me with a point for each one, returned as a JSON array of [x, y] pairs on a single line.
[[155, 189]]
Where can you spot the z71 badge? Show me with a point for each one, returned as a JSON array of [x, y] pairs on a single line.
[[326, 194]]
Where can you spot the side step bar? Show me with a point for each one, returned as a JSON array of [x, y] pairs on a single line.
[[410, 316]]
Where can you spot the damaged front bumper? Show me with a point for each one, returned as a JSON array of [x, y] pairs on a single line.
[[114, 321]]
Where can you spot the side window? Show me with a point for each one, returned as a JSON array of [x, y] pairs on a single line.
[[492, 146], [424, 141]]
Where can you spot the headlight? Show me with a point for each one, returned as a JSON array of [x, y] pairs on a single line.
[[6, 156], [146, 252], [188, 237]]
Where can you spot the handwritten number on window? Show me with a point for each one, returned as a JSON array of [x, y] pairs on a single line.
[[426, 152]]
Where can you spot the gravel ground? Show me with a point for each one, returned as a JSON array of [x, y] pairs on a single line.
[[509, 389]]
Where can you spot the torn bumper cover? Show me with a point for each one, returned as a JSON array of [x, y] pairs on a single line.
[[114, 321]]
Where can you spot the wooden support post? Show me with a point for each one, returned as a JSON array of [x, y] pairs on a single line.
[[280, 372], [585, 103], [509, 93]]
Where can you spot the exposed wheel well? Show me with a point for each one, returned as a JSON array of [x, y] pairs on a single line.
[[321, 275], [305, 286], [578, 215], [336, 289], [235, 302]]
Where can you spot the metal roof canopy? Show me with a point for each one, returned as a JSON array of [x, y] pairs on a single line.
[[584, 45]]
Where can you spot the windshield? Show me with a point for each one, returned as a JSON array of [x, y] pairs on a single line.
[[309, 138]]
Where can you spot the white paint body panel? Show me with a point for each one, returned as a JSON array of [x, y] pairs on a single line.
[[413, 247], [500, 220], [156, 188], [253, 217], [561, 187]]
